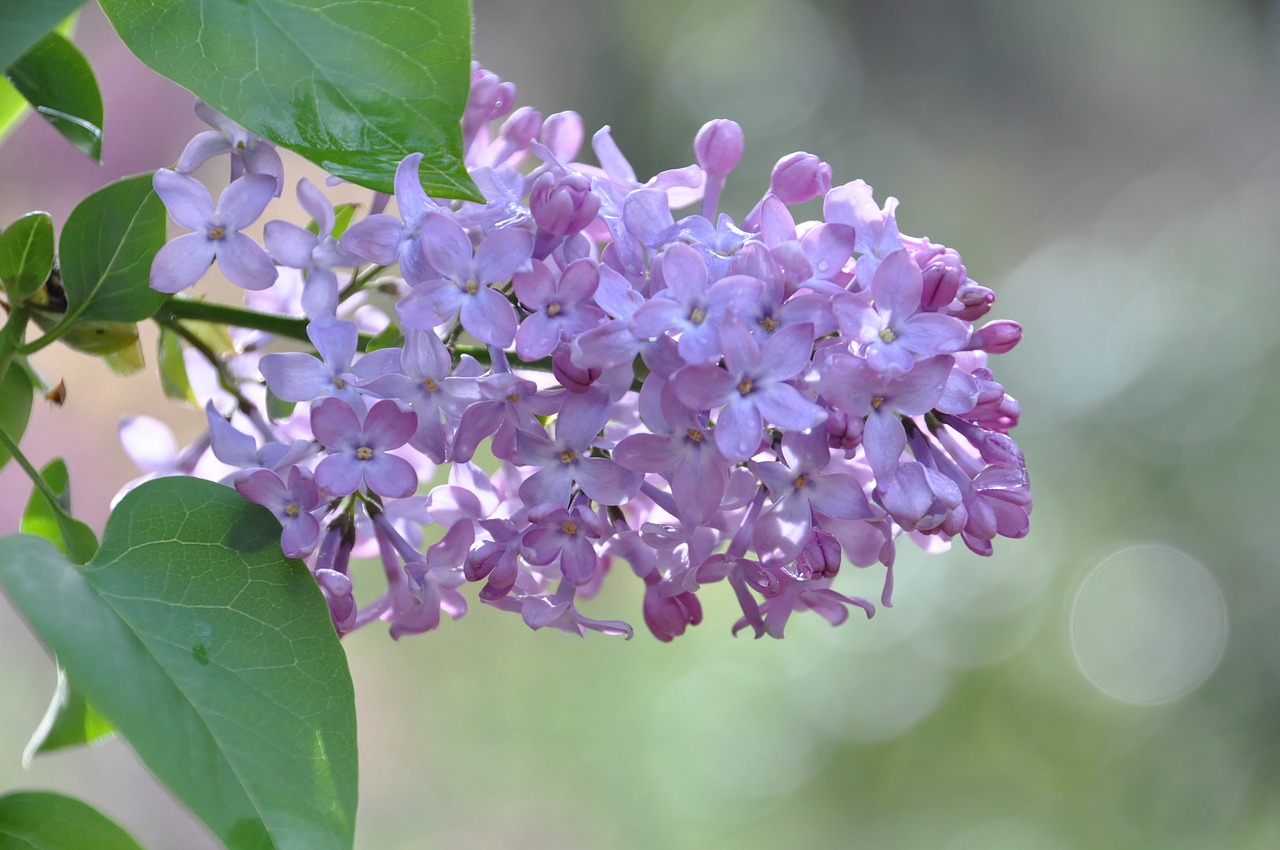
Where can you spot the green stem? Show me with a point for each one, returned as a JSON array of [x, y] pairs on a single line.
[[359, 281], [224, 314], [32, 473]]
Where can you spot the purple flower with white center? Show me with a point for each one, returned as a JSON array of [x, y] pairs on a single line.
[[249, 153], [358, 450], [753, 387], [183, 261], [895, 334], [855, 386], [567, 459], [558, 533], [292, 504], [385, 239], [560, 305], [424, 383], [465, 286], [295, 376], [799, 490], [313, 253], [694, 310], [684, 452]]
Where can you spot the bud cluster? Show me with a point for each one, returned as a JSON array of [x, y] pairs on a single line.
[[594, 381]]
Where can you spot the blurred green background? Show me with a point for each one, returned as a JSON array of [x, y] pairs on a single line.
[[1112, 681]]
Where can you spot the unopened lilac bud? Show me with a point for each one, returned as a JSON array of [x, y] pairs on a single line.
[[843, 431], [668, 616], [562, 133], [799, 177], [718, 146], [820, 558], [942, 279], [975, 301], [995, 337], [521, 128], [573, 378], [563, 205], [337, 592], [490, 98]]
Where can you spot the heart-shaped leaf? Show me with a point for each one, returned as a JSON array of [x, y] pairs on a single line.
[[353, 86], [26, 255], [213, 655], [106, 250], [38, 820]]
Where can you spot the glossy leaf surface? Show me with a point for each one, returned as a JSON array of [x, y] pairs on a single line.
[[354, 86], [214, 656]]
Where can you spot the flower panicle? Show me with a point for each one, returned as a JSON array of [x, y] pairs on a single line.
[[754, 403]]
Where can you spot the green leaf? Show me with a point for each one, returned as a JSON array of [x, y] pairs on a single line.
[[70, 721], [15, 407], [56, 79], [106, 250], [24, 22], [39, 820], [26, 254], [354, 86], [278, 408], [53, 520], [389, 337], [173, 367], [13, 108], [342, 215], [214, 656]]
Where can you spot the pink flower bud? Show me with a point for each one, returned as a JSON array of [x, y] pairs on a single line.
[[799, 177], [718, 146], [995, 337]]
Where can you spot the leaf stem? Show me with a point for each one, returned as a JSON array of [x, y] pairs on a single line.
[[36, 478]]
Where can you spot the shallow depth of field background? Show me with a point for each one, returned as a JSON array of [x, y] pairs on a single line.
[[1113, 172]]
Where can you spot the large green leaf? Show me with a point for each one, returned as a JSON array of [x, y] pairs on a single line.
[[39, 820], [56, 79], [106, 250], [352, 86], [26, 255], [15, 407], [24, 22], [214, 656]]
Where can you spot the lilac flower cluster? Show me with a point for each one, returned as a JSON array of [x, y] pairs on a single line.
[[595, 381]]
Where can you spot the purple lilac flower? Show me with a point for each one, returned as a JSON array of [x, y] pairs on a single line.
[[892, 330], [560, 301], [464, 289], [358, 450], [718, 402], [385, 239], [183, 261], [753, 387], [250, 154], [313, 253], [293, 504]]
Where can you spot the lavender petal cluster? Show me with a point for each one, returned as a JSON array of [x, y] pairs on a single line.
[[584, 378]]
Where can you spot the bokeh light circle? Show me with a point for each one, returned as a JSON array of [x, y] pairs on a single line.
[[1148, 624]]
